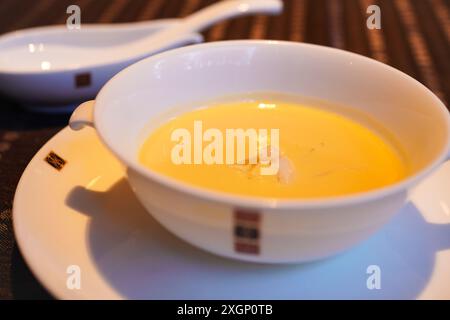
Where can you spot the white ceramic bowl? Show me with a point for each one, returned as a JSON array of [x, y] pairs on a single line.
[[277, 230]]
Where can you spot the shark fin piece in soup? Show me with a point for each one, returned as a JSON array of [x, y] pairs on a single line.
[[321, 151]]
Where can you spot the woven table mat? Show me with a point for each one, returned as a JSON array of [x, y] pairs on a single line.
[[415, 38]]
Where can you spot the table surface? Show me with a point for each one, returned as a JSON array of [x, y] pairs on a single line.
[[415, 38]]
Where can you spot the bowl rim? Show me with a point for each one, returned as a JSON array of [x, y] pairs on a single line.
[[255, 202]]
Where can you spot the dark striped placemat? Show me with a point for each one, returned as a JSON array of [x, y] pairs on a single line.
[[415, 38]]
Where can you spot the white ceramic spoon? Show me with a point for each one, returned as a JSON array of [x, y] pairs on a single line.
[[55, 65], [53, 90]]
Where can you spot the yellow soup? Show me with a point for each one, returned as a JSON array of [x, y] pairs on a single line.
[[322, 152]]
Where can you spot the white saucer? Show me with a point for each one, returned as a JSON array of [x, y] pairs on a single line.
[[86, 215]]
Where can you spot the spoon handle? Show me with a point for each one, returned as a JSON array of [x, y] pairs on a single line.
[[217, 12]]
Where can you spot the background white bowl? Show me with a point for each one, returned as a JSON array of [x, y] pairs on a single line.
[[288, 230]]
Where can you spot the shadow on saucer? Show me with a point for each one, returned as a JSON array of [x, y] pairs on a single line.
[[140, 259]]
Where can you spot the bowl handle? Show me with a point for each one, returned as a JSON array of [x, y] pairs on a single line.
[[82, 116]]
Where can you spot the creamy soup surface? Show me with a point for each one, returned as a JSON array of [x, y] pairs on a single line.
[[322, 152]]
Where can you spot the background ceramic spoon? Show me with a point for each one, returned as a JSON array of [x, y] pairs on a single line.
[[50, 90], [53, 48], [50, 66]]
